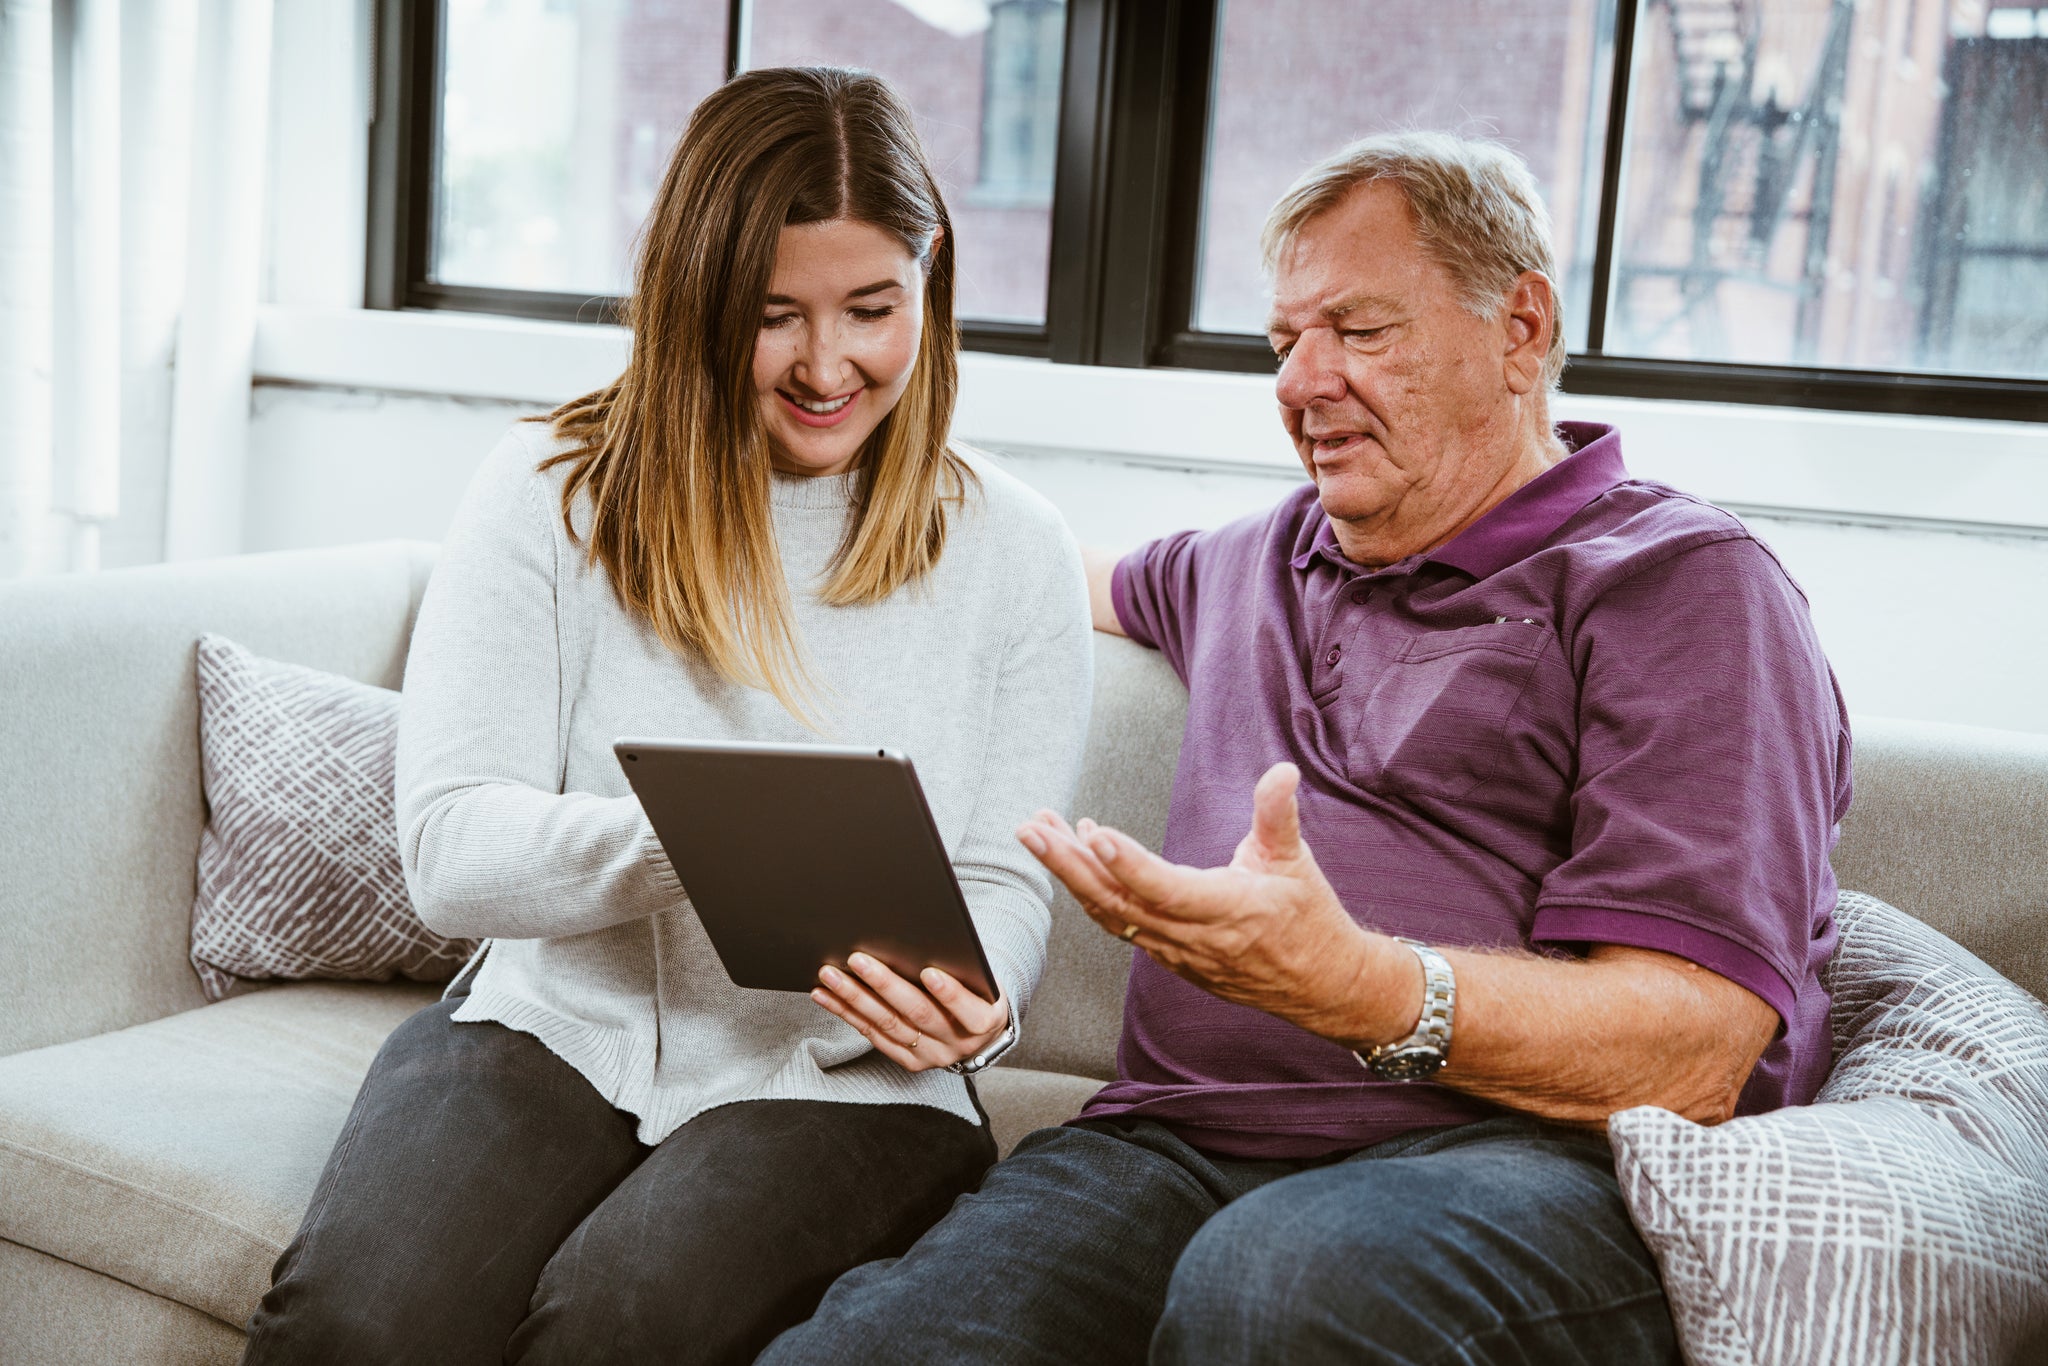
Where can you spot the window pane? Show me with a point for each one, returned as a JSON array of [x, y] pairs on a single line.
[[1844, 183], [557, 118], [983, 78], [1296, 79]]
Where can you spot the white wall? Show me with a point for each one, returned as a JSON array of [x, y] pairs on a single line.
[[1931, 624]]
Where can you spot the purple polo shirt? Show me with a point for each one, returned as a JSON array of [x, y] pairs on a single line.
[[1599, 715]]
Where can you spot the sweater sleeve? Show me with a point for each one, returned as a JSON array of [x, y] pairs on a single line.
[[1037, 727], [491, 845]]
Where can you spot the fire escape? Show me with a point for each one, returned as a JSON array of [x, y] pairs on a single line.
[[1753, 144]]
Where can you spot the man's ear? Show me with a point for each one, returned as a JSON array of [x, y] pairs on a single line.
[[1531, 317]]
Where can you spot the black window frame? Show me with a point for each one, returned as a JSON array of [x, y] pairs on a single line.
[[1126, 222]]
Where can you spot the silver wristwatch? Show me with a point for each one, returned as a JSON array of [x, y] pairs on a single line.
[[997, 1047], [1423, 1053]]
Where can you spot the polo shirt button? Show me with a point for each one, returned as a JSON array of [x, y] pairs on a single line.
[[1359, 595], [1336, 653]]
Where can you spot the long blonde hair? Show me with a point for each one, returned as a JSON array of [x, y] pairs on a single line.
[[673, 453]]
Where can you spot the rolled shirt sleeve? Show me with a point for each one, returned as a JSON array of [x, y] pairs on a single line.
[[1153, 589], [1712, 773]]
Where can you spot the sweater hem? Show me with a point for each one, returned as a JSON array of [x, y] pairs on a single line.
[[607, 1059]]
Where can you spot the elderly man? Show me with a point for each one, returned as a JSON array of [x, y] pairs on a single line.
[[1570, 760]]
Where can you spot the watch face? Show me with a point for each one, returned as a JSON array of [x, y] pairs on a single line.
[[1408, 1064]]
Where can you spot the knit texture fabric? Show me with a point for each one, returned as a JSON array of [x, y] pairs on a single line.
[[517, 826]]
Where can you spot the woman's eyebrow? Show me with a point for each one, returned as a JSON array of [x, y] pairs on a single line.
[[876, 288]]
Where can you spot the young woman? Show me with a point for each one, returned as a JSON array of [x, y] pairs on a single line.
[[597, 1147]]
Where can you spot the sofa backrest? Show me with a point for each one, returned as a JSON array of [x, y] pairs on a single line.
[[1126, 778], [101, 807], [1950, 823]]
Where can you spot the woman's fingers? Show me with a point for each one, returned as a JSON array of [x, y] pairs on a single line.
[[899, 994], [971, 1015], [856, 997], [906, 1058], [942, 1023]]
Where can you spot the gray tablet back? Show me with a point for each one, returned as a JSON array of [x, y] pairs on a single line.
[[797, 855]]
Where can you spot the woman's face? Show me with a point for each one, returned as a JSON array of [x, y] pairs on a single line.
[[838, 340]]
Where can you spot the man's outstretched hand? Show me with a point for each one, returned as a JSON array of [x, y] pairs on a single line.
[[1267, 931]]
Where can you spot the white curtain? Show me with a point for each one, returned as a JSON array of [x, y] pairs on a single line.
[[131, 157]]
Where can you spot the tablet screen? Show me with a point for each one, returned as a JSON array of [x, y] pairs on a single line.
[[797, 855]]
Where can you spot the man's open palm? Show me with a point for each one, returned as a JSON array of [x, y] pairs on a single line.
[[1267, 931]]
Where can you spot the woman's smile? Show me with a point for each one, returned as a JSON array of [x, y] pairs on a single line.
[[826, 412]]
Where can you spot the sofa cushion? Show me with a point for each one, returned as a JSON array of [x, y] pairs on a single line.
[[1903, 1217], [1018, 1100], [299, 874], [55, 1314], [178, 1156]]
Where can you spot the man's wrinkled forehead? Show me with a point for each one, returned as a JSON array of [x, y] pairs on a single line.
[[1355, 257]]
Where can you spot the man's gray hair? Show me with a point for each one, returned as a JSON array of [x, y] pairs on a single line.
[[1477, 212]]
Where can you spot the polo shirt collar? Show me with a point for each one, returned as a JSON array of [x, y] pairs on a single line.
[[1523, 522]]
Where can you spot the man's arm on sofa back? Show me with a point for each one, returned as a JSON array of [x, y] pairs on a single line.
[[102, 806]]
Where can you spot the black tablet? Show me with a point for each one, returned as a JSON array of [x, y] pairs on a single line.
[[797, 855]]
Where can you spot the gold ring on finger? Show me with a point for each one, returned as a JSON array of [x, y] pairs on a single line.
[[1128, 933], [916, 1038]]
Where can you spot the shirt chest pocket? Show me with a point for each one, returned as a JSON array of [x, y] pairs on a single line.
[[1435, 722]]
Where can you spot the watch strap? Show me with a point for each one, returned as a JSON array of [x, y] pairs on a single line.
[[1425, 1050], [998, 1046]]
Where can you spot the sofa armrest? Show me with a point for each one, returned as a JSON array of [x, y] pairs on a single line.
[[102, 806]]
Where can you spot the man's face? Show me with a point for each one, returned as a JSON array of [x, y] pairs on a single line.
[[1392, 390]]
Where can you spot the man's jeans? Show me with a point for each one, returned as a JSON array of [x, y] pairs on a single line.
[[1501, 1241]]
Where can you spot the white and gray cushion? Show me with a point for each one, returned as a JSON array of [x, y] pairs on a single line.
[[1903, 1218], [299, 873]]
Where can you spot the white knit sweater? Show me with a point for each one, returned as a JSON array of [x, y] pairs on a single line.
[[517, 825]]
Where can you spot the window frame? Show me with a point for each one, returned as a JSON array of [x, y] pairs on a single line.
[[1126, 223]]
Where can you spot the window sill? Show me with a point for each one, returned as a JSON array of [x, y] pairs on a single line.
[[1976, 475]]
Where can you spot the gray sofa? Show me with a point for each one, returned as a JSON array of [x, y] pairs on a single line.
[[156, 1151]]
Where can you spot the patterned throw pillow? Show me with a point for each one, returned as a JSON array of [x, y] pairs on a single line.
[[1903, 1217], [298, 866]]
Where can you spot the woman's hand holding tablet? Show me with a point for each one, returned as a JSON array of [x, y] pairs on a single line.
[[795, 856], [917, 1025]]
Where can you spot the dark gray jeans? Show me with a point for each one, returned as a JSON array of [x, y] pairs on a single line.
[[485, 1204], [1504, 1241]]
